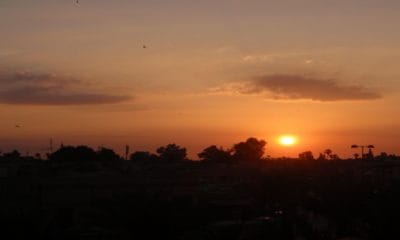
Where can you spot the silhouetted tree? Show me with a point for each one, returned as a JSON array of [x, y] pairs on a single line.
[[172, 152], [108, 158], [142, 156], [107, 155], [38, 156], [321, 157], [369, 155], [11, 155], [251, 150], [382, 156], [327, 153], [334, 157], [307, 155], [214, 154], [73, 154]]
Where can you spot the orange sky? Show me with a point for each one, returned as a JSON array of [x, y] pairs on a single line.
[[211, 73]]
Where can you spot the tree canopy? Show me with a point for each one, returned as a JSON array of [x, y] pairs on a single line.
[[172, 152], [250, 150], [214, 154], [73, 154]]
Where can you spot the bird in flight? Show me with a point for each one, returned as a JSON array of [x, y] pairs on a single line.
[[77, 2], [144, 46], [17, 126]]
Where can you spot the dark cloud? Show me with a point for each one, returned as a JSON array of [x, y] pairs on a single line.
[[47, 89], [48, 96], [299, 87]]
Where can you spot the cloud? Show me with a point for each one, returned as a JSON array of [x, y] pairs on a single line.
[[32, 88], [8, 52], [259, 58], [294, 87]]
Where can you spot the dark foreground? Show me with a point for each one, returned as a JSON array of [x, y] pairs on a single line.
[[281, 199]]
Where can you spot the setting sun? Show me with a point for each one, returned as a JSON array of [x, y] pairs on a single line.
[[287, 140]]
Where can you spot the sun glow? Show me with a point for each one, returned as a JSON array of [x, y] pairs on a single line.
[[287, 140]]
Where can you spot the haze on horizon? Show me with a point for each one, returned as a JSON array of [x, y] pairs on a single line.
[[212, 72]]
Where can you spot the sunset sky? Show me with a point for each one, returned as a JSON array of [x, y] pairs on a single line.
[[211, 72]]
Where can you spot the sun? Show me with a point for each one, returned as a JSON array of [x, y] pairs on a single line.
[[287, 140]]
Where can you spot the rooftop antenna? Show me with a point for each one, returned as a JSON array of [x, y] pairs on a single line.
[[126, 152]]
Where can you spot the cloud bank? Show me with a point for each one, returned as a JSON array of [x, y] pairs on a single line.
[[32, 88], [293, 87]]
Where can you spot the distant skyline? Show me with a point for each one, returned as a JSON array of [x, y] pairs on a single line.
[[211, 72]]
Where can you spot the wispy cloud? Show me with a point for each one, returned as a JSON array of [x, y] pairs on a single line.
[[35, 88], [295, 87], [259, 58], [8, 52]]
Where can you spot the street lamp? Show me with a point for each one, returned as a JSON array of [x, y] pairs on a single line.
[[362, 148]]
